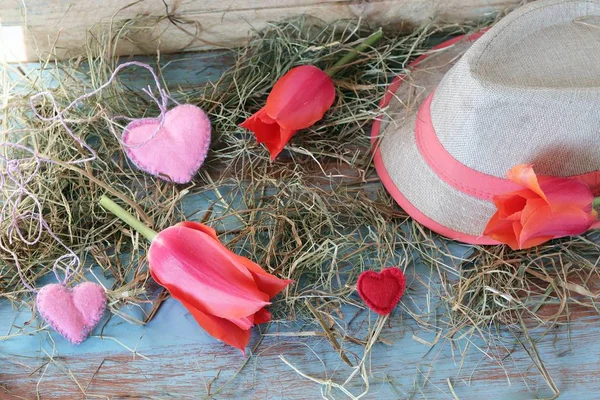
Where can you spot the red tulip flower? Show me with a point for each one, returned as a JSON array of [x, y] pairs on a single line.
[[545, 208], [298, 100], [225, 293]]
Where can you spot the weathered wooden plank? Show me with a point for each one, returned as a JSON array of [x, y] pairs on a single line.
[[60, 27], [176, 359], [172, 357]]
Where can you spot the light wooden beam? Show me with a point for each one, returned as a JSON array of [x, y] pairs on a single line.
[[60, 27]]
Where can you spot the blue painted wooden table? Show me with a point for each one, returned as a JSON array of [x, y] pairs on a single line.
[[171, 357]]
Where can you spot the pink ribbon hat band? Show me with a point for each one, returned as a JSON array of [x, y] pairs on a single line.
[[475, 106]]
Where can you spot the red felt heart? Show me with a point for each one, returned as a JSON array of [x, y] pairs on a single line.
[[381, 291]]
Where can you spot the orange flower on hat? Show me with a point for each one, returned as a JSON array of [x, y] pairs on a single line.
[[546, 208]]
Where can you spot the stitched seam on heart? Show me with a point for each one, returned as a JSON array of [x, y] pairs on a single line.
[[52, 322], [153, 171], [98, 314], [206, 146], [382, 310], [86, 329]]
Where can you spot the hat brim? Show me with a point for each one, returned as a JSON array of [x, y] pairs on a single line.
[[404, 172]]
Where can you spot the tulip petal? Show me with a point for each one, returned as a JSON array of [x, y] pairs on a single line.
[[510, 204], [265, 281], [546, 222], [269, 132], [524, 175], [262, 316], [531, 207], [199, 270], [261, 122], [220, 328], [502, 230], [200, 227], [536, 241], [243, 323], [300, 97], [563, 191]]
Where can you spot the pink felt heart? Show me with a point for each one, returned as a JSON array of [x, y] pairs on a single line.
[[381, 291], [177, 150], [72, 312]]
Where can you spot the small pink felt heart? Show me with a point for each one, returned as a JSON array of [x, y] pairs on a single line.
[[72, 312], [381, 291], [177, 150]]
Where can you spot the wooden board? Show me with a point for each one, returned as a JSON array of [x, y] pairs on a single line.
[[38, 28], [172, 358]]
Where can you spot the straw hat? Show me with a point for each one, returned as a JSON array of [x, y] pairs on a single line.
[[525, 91]]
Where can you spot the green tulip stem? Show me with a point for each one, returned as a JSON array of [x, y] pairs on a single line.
[[352, 54], [127, 217], [596, 202]]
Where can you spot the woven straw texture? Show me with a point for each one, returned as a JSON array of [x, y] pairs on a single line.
[[528, 91]]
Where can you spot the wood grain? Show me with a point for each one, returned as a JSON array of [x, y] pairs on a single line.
[[172, 357], [60, 28], [176, 359]]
